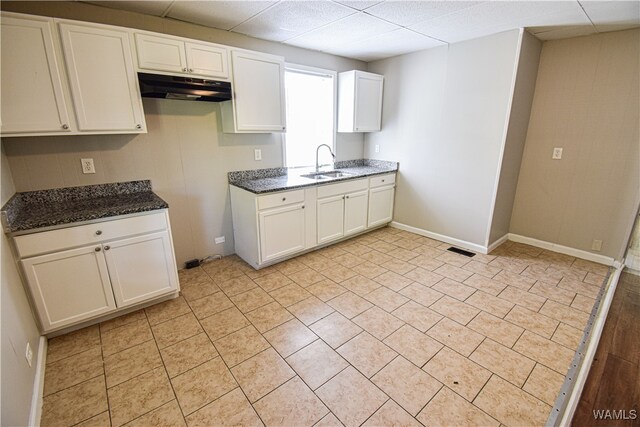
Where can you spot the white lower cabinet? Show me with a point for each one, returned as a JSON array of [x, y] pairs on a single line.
[[355, 212], [330, 218], [281, 231], [381, 193], [342, 209], [80, 273]]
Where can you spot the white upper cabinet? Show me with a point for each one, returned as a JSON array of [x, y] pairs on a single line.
[[359, 101], [258, 104], [32, 98], [103, 82], [182, 56]]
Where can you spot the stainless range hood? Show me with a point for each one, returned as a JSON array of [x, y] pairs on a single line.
[[183, 88]]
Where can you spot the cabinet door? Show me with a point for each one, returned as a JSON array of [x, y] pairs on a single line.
[[205, 60], [355, 212], [161, 53], [141, 268], [380, 205], [368, 102], [258, 92], [103, 82], [32, 97], [281, 231], [69, 286], [330, 217]]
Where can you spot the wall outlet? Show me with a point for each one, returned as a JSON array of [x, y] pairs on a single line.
[[28, 354], [596, 245], [557, 153], [377, 148], [257, 154], [219, 240], [87, 166]]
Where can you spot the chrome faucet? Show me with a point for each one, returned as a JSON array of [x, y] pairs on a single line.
[[318, 149]]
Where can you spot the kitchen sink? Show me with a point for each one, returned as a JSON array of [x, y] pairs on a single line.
[[326, 175]]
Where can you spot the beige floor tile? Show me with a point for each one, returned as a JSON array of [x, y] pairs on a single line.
[[75, 404], [386, 299], [569, 272], [369, 269], [273, 281], [522, 298], [481, 268], [558, 259], [553, 292], [413, 345], [545, 351], [484, 284], [579, 287], [167, 310], [454, 259], [407, 384], [583, 303], [212, 304], [351, 397], [338, 273], [430, 250], [100, 420], [458, 373], [224, 323], [310, 310], [489, 303], [510, 405], [350, 304], [202, 385], [261, 374], [382, 246], [232, 409], [417, 316], [378, 322], [317, 363], [129, 363], [360, 285], [72, 343], [357, 248], [367, 354], [194, 291], [495, 328], [306, 277], [532, 321], [571, 316], [168, 415], [290, 337], [268, 317], [290, 266], [291, 404], [73, 370], [590, 266], [393, 281], [510, 265], [251, 300], [335, 329], [125, 319], [421, 294], [424, 276], [594, 279], [542, 274], [236, 285], [448, 409], [348, 260], [456, 336], [241, 345], [518, 281], [332, 251], [326, 290], [125, 337], [329, 420], [290, 294], [403, 254], [568, 336], [544, 383], [391, 414], [175, 330], [426, 261], [139, 395], [188, 354], [454, 309], [506, 363], [397, 265], [454, 289], [453, 272]]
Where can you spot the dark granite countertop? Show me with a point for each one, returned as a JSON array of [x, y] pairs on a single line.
[[48, 208], [280, 179]]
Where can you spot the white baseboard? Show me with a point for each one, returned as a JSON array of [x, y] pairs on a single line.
[[578, 253], [38, 384], [452, 240], [497, 243]]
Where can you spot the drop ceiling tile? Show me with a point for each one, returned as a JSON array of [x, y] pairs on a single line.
[[607, 15], [217, 14], [358, 4], [288, 19], [406, 13], [351, 29], [155, 8], [386, 45]]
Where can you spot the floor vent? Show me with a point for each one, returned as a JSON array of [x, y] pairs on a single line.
[[461, 252]]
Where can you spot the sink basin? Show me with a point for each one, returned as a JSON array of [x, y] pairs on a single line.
[[326, 175]]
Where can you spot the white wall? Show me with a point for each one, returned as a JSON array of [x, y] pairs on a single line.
[[18, 328], [444, 113]]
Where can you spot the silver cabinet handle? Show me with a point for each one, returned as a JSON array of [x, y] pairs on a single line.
[[184, 69], [302, 206], [347, 197], [106, 248], [383, 180], [191, 70], [138, 126], [284, 198], [99, 232], [65, 126], [98, 249]]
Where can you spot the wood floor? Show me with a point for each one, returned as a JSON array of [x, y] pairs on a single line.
[[614, 379]]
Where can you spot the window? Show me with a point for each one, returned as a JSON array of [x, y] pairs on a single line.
[[310, 94]]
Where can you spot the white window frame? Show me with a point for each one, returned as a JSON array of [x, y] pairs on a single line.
[[305, 69]]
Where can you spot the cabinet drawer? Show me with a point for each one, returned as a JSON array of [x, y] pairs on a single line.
[[55, 240], [380, 180], [342, 188], [280, 199]]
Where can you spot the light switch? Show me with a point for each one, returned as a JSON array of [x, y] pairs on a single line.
[[557, 153]]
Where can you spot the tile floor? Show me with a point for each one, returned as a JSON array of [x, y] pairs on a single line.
[[387, 328]]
